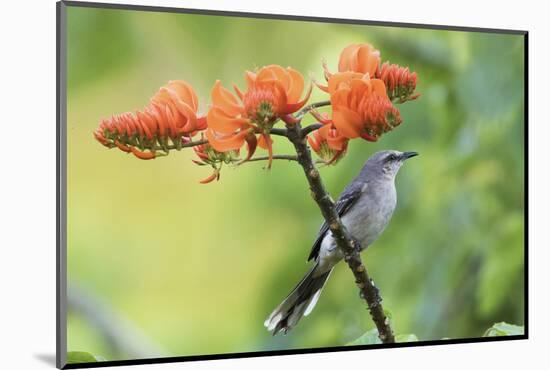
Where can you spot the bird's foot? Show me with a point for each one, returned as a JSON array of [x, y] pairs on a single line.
[[355, 244]]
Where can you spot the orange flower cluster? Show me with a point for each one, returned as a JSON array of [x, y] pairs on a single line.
[[272, 93], [362, 93], [166, 123], [358, 93]]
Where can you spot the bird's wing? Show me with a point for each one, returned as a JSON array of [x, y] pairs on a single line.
[[347, 199]]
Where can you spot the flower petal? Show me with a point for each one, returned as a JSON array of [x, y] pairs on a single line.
[[184, 92], [276, 73], [313, 141], [294, 92], [378, 87], [148, 123], [214, 176], [347, 122], [268, 142], [344, 63], [225, 143], [321, 87], [366, 59], [251, 143], [224, 99], [250, 78], [221, 122], [291, 108], [263, 141], [341, 80]]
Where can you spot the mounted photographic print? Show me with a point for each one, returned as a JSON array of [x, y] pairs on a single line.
[[236, 185]]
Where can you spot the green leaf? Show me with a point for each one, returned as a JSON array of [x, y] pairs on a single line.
[[370, 337], [77, 357], [402, 338], [502, 329]]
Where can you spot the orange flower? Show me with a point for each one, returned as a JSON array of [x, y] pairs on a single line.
[[361, 108], [343, 80], [170, 116], [359, 58], [336, 80], [272, 93], [328, 143], [399, 81], [362, 58]]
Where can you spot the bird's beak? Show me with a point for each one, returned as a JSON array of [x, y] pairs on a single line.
[[407, 155]]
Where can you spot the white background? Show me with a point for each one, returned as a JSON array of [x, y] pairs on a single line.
[[27, 182]]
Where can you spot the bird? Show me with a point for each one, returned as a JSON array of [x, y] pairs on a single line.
[[365, 207]]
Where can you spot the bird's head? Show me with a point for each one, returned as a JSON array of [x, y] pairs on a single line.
[[386, 163]]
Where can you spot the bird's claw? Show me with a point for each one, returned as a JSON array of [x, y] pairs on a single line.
[[355, 244]]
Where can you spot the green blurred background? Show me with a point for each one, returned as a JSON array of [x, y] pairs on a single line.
[[159, 265]]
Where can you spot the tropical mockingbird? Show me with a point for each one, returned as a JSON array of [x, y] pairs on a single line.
[[365, 208]]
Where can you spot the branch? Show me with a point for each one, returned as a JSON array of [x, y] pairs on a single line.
[[305, 110], [185, 145], [281, 156], [306, 130], [344, 240], [278, 132], [194, 143]]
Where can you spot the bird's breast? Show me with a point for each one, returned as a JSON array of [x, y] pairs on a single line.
[[366, 220], [370, 215]]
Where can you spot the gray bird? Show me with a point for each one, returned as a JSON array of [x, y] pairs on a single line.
[[365, 208]]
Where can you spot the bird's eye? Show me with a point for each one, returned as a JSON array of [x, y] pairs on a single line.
[[392, 157]]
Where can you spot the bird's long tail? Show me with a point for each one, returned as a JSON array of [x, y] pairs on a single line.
[[298, 303]]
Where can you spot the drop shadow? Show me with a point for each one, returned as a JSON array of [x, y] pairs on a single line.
[[47, 358]]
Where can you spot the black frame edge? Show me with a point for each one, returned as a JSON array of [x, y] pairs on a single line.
[[151, 8], [194, 358], [61, 194], [526, 182]]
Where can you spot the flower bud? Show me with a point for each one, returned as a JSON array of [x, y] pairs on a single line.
[[400, 82]]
